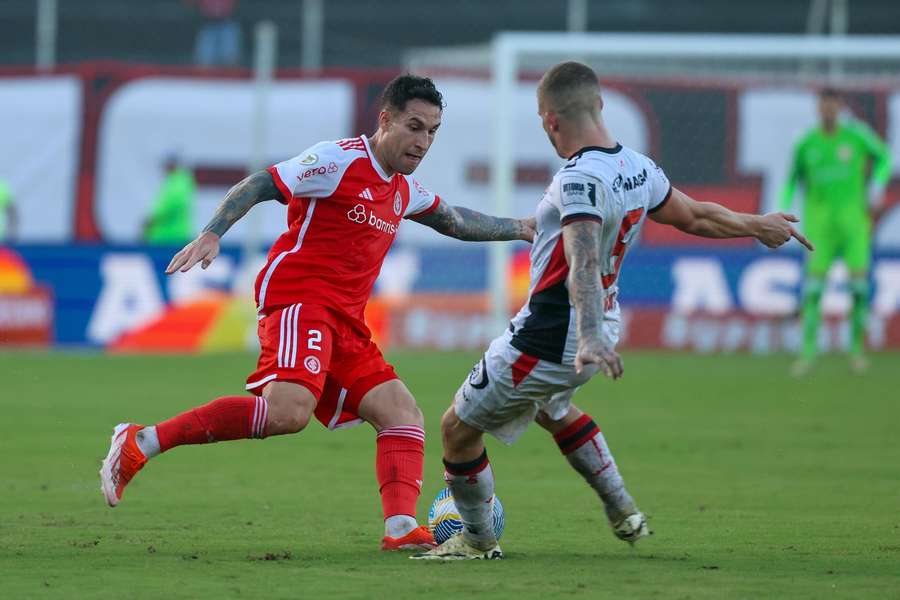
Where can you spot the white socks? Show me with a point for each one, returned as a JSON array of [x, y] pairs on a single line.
[[397, 526], [472, 485], [148, 442]]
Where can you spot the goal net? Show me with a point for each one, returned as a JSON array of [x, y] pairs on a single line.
[[720, 114]]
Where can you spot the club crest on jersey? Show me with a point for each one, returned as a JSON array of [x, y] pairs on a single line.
[[309, 159], [478, 377], [312, 364], [398, 204], [630, 182], [578, 191]]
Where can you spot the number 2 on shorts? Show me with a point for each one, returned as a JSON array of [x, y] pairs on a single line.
[[315, 336]]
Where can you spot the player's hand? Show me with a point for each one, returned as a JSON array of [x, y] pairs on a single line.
[[775, 229], [529, 229], [597, 353], [202, 250]]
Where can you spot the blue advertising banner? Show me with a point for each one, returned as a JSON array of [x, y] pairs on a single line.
[[101, 292]]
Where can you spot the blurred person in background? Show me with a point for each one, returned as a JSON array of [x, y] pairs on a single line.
[[218, 42], [8, 217], [844, 168], [171, 216]]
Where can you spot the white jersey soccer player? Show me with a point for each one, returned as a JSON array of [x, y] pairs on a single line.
[[531, 366], [590, 214]]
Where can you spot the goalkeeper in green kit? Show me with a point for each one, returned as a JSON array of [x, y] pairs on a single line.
[[831, 162]]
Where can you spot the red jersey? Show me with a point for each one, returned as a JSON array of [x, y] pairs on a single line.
[[343, 215]]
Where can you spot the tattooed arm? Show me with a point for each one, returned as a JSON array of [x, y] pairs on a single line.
[[581, 242], [473, 226], [252, 190]]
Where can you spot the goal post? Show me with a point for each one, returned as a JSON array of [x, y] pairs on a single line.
[[787, 60]]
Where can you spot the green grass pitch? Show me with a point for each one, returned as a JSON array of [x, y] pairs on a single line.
[[758, 486]]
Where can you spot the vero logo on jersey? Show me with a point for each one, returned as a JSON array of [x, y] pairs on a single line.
[[331, 168], [359, 214]]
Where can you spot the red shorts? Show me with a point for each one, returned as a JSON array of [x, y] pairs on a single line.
[[316, 348]]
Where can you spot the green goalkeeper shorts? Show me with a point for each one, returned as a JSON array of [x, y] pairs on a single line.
[[850, 240]]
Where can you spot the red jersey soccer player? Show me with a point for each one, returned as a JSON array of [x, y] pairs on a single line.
[[345, 201]]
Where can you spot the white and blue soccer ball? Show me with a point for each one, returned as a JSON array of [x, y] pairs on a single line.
[[444, 521]]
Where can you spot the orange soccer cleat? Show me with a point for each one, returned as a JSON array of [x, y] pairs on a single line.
[[419, 538], [124, 460]]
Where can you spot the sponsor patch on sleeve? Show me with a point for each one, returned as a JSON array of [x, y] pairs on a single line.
[[578, 191]]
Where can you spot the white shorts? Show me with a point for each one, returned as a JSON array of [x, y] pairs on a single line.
[[507, 388]]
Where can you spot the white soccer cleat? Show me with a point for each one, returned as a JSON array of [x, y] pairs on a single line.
[[122, 463], [631, 528], [457, 548]]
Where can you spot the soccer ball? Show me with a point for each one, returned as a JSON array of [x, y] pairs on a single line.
[[444, 521]]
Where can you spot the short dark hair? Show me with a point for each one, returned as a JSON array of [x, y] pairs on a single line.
[[404, 88], [830, 92], [570, 88]]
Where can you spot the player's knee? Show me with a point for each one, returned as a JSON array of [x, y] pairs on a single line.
[[294, 421], [389, 405], [456, 434], [544, 420], [406, 412], [290, 408], [555, 426]]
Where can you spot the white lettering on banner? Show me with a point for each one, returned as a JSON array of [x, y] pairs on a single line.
[[446, 331], [187, 286], [836, 299], [398, 273], [886, 299], [769, 286], [445, 171], [24, 312], [204, 120], [129, 296], [760, 336], [700, 285], [41, 118], [770, 121]]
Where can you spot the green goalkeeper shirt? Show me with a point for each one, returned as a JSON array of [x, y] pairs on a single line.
[[832, 169], [171, 219]]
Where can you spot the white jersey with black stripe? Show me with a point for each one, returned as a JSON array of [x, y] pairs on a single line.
[[617, 187]]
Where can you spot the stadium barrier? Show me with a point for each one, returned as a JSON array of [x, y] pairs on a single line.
[[84, 146], [734, 299]]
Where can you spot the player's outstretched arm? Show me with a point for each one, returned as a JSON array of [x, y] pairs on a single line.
[[708, 219], [252, 190], [581, 242], [473, 226]]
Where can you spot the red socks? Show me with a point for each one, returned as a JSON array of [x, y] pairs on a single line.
[[228, 418], [398, 463], [400, 453]]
